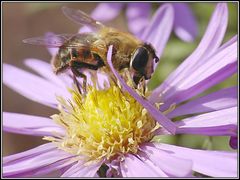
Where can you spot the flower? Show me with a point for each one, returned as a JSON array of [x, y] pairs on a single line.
[[138, 14], [156, 159], [112, 128]]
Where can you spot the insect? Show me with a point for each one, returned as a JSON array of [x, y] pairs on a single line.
[[89, 50]]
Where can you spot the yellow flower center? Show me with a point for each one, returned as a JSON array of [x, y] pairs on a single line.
[[103, 123]]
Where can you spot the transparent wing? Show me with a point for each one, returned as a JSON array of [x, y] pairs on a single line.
[[80, 41], [82, 18], [50, 40]]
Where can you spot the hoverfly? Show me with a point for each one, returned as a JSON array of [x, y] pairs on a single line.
[[89, 50]]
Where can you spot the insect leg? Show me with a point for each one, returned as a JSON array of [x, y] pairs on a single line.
[[77, 73], [77, 83], [137, 78], [60, 69], [76, 65]]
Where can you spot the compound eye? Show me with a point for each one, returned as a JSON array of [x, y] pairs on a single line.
[[140, 59]]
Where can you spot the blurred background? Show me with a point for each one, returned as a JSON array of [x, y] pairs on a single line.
[[24, 20]]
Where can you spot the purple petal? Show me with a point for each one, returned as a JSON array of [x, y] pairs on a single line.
[[220, 65], [132, 166], [82, 170], [156, 114], [40, 160], [106, 11], [45, 70], [138, 17], [170, 164], [212, 77], [217, 123], [51, 50], [208, 45], [65, 168], [32, 152], [185, 25], [211, 163], [234, 142], [211, 40], [221, 58], [224, 130], [31, 86], [159, 29], [30, 125], [102, 80], [222, 99], [85, 29]]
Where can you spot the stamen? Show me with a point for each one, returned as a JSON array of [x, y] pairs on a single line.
[[102, 123], [170, 109]]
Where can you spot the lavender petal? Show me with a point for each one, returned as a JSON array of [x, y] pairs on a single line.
[[217, 123], [82, 170], [112, 10], [9, 160], [132, 166], [45, 70], [220, 65], [40, 160], [31, 86], [170, 164], [138, 17], [211, 163], [208, 45], [102, 80], [30, 125], [51, 50], [223, 99], [85, 29], [158, 31], [185, 25]]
